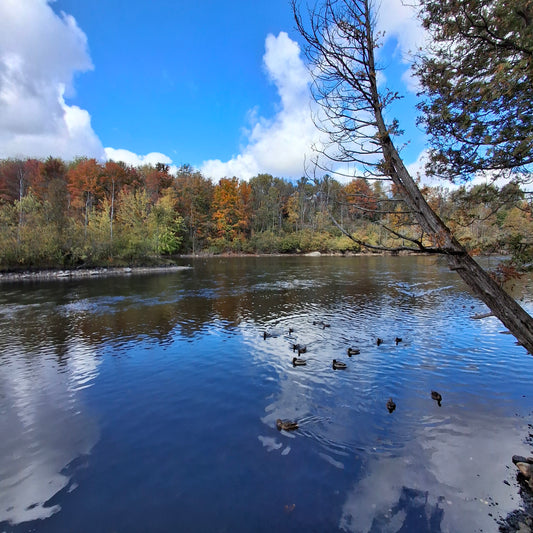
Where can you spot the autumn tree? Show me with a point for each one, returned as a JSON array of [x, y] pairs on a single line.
[[52, 189], [156, 179], [85, 186], [232, 209], [359, 198], [194, 196], [114, 177], [13, 180], [299, 204], [341, 43], [132, 218], [167, 223]]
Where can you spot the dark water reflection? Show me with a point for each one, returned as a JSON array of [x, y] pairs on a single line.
[[149, 403]]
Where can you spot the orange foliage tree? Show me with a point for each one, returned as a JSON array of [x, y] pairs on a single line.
[[85, 186], [232, 213], [360, 199]]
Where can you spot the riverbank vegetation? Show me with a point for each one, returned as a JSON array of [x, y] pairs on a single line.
[[55, 213]]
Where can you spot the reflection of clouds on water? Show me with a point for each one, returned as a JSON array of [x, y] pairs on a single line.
[[43, 425], [452, 475], [436, 470], [272, 445]]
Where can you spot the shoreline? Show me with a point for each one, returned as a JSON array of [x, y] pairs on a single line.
[[58, 273], [86, 273]]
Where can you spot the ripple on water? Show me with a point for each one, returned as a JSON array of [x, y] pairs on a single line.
[[186, 390]]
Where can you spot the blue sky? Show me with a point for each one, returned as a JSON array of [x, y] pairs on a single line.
[[218, 85]]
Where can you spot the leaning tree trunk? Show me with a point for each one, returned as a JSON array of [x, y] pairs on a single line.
[[503, 306], [342, 45]]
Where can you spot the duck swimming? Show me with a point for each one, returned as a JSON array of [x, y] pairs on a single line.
[[397, 340], [436, 396], [391, 405], [300, 348], [353, 351], [297, 361], [338, 365], [287, 425], [379, 341]]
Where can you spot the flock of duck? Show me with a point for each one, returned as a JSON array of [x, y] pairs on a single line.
[[290, 425]]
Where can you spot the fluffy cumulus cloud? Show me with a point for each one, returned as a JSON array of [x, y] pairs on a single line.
[[40, 52], [278, 145], [282, 145], [130, 158], [398, 20]]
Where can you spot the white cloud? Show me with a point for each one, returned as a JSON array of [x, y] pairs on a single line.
[[40, 52], [130, 158], [279, 145], [282, 145], [398, 20]]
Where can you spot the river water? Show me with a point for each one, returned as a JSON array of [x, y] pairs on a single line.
[[149, 403]]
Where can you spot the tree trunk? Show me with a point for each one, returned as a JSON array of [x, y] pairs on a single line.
[[112, 212], [511, 314], [341, 47]]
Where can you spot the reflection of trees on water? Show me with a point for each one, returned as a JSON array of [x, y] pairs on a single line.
[[413, 512], [228, 291]]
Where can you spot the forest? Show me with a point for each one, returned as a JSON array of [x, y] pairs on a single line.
[[58, 214]]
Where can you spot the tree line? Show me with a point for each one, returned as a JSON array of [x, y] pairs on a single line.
[[84, 213]]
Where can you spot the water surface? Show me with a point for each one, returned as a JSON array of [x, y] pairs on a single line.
[[148, 403]]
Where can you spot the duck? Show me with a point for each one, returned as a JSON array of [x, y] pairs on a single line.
[[379, 341], [297, 361], [300, 348], [436, 396], [338, 365], [321, 323], [353, 351], [287, 425], [391, 405], [397, 340]]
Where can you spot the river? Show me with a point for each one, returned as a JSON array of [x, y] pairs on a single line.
[[149, 403]]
